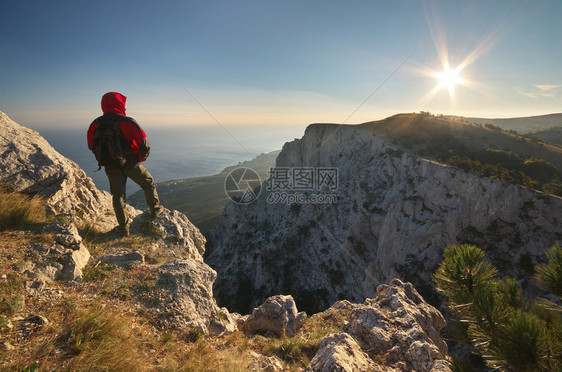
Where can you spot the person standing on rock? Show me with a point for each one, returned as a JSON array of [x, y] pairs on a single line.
[[120, 146]]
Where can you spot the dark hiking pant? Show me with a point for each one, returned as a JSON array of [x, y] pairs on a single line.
[[118, 186]]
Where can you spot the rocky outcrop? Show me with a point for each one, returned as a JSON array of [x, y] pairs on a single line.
[[63, 258], [28, 162], [340, 352], [397, 329], [190, 302], [277, 315], [184, 281], [400, 327], [390, 214], [172, 228]]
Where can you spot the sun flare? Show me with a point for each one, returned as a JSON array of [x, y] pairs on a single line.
[[448, 78]]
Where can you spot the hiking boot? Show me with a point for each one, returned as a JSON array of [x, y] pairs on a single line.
[[156, 211], [123, 230]]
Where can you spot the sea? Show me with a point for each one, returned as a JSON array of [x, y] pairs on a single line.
[[181, 152]]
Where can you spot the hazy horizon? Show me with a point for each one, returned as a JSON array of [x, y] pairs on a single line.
[[178, 152], [163, 124]]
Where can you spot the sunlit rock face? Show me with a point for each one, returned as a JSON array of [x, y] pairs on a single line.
[[394, 215]]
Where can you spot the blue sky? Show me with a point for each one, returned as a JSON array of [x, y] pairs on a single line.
[[271, 62]]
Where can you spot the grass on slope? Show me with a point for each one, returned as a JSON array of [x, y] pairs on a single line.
[[486, 150], [103, 323], [552, 136], [19, 209], [522, 125]]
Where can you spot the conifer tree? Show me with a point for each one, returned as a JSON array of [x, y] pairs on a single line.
[[508, 331]]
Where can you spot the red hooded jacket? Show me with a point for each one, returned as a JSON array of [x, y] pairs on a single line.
[[114, 103]]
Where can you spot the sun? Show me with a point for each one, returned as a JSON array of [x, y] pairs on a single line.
[[448, 78]]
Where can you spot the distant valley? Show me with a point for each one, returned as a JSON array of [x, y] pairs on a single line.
[[203, 199]]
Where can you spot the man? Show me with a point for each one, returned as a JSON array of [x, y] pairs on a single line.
[[135, 149]]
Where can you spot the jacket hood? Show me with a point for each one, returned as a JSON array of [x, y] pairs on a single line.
[[113, 102]]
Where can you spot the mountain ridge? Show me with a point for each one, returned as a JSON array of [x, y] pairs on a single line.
[[525, 124]]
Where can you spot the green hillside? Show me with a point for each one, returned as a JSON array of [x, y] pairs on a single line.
[[484, 149], [521, 125], [552, 136]]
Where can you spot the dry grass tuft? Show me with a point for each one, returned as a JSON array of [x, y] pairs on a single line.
[[81, 337], [297, 351], [18, 209], [203, 356]]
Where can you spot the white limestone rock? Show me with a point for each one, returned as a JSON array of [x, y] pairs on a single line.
[[402, 328], [262, 363], [171, 228], [124, 258], [395, 213], [190, 302], [278, 314], [73, 261], [65, 234], [340, 352], [62, 259]]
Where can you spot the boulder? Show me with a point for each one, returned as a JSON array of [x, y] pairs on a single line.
[[189, 301], [400, 328], [73, 261], [171, 228], [62, 259], [65, 234], [278, 314], [264, 363], [340, 352], [124, 258]]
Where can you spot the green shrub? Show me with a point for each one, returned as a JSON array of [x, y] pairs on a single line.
[[505, 329], [287, 348]]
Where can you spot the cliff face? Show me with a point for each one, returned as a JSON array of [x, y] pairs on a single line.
[[394, 215], [30, 163]]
